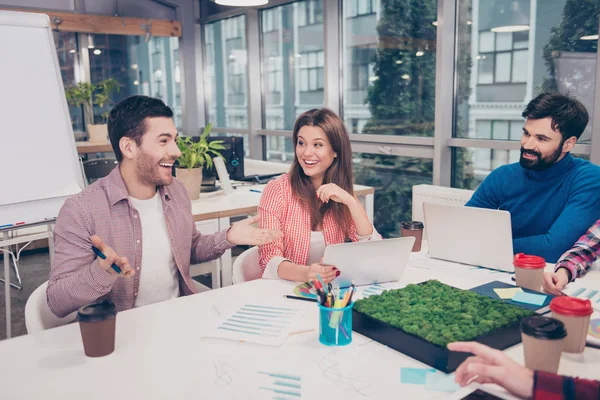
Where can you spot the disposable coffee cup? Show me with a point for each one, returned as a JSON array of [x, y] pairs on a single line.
[[413, 228], [543, 341], [97, 323], [529, 271], [575, 314]]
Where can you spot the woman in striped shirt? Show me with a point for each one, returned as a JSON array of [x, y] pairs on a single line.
[[314, 204]]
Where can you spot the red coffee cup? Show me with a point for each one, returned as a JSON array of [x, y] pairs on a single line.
[[575, 314], [529, 271]]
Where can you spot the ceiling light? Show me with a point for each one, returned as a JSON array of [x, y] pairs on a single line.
[[589, 37], [419, 53], [134, 66], [434, 23], [405, 76], [469, 22], [136, 82], [510, 28], [90, 39], [97, 52], [399, 62], [72, 51], [373, 78], [242, 3]]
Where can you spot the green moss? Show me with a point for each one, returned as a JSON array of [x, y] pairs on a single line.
[[440, 313]]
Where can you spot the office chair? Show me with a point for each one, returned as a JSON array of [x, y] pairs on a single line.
[[98, 168]]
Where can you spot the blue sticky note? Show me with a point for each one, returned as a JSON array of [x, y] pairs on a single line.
[[440, 382], [529, 298], [415, 376]]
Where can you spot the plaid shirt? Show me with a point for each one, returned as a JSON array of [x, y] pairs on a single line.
[[279, 209], [104, 209], [548, 386], [581, 256]]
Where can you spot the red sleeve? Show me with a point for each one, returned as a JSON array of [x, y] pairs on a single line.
[[548, 386], [270, 210]]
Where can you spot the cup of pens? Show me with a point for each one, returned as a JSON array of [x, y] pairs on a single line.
[[335, 315]]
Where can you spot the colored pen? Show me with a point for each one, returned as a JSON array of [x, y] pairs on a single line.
[[322, 283], [299, 298], [102, 256], [256, 191], [5, 226]]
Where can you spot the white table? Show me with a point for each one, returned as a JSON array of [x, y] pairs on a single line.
[[161, 354]]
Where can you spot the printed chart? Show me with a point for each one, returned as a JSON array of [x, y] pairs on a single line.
[[257, 323], [280, 385]]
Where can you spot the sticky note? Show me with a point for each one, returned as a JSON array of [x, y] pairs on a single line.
[[507, 293], [415, 376], [530, 298], [440, 382]]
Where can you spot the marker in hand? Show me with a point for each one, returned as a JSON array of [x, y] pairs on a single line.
[[102, 256]]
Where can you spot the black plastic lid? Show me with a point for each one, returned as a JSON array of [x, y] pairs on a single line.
[[543, 327], [97, 311], [411, 225]]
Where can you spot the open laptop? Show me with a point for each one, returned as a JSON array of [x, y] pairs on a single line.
[[369, 262], [469, 235]]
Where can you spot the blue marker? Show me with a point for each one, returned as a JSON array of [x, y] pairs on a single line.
[[256, 191], [102, 256], [5, 226]]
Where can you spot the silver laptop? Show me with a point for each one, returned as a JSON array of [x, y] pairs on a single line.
[[469, 235], [369, 262]]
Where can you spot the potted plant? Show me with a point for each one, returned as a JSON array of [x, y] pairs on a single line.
[[87, 95], [194, 155]]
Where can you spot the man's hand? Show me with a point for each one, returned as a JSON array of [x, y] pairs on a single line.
[[492, 366], [112, 257], [244, 233], [554, 282]]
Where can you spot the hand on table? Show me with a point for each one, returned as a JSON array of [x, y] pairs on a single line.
[[326, 272], [112, 257], [492, 366], [554, 282]]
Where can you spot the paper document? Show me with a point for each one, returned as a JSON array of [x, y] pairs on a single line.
[[257, 323]]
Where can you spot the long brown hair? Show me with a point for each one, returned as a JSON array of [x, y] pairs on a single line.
[[340, 172]]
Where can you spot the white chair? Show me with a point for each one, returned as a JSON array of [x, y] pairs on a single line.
[[38, 316], [245, 267]]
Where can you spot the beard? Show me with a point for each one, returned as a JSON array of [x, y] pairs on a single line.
[[540, 163], [149, 172]]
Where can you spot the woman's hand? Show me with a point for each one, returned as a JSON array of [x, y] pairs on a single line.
[[326, 272], [554, 282], [331, 191]]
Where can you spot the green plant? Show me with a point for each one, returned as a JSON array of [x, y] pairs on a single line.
[[440, 313], [87, 95], [196, 154]]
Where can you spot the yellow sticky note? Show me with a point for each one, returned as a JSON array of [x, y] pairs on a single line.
[[507, 293]]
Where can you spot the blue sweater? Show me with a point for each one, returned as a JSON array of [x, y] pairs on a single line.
[[550, 209]]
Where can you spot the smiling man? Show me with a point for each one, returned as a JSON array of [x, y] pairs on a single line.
[[552, 197], [140, 217]]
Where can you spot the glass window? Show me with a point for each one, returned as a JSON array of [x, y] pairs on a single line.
[[140, 67], [393, 178], [560, 61], [292, 69], [503, 66], [519, 66], [226, 70], [68, 61], [389, 62], [484, 129]]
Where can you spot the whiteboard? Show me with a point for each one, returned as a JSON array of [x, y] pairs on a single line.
[[39, 163]]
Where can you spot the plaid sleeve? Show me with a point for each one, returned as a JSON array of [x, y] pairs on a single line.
[[581, 256], [548, 386]]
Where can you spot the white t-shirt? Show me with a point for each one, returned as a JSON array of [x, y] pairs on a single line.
[[159, 277]]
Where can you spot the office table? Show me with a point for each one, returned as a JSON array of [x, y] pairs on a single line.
[[91, 147], [161, 352]]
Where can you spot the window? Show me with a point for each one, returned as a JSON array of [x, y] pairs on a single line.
[[389, 67], [310, 12], [226, 71], [489, 106], [498, 61], [140, 67], [68, 61], [311, 71], [356, 8], [292, 69]]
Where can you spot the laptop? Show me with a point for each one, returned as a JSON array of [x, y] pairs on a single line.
[[369, 262], [469, 235]]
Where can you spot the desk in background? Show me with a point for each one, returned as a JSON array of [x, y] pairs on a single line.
[[90, 147]]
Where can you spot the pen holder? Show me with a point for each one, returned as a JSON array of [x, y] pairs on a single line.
[[335, 325]]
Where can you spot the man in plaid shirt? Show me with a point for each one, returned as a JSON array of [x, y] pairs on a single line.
[[575, 262], [493, 366]]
